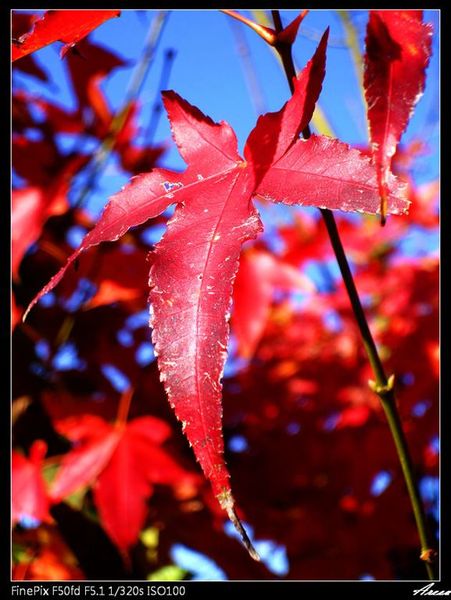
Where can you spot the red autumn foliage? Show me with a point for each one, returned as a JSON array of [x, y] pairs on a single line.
[[68, 26], [98, 454]]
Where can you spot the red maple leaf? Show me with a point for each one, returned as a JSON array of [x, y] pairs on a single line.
[[398, 48], [68, 26], [194, 265], [122, 462]]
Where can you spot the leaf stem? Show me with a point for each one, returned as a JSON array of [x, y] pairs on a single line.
[[124, 407], [228, 504], [383, 386], [264, 32]]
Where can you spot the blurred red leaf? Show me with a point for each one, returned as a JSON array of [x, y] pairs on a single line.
[[48, 566], [16, 312], [58, 118], [21, 115], [259, 274], [68, 26], [136, 159], [40, 162], [122, 462], [117, 273], [425, 203], [398, 48], [127, 481], [36, 161], [51, 177], [88, 67], [82, 465], [31, 207], [29, 494]]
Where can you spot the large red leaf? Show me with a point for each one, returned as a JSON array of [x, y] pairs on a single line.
[[327, 173], [68, 26], [398, 48], [200, 250], [260, 273], [194, 265]]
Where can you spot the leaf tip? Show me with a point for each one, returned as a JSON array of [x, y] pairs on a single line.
[[228, 504], [325, 36]]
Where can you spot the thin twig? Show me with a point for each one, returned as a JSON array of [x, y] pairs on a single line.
[[134, 88], [255, 91]]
